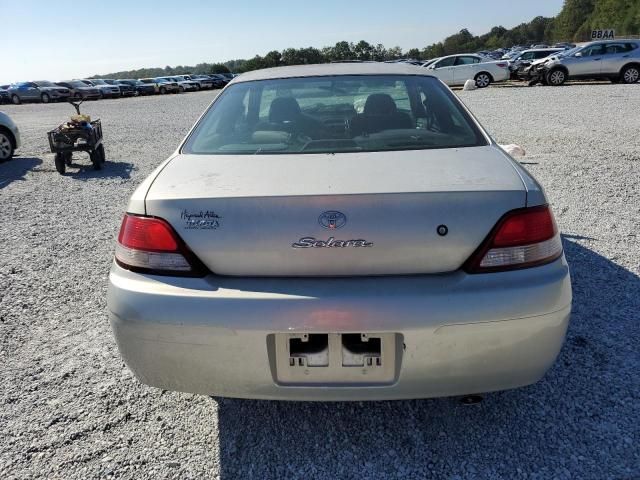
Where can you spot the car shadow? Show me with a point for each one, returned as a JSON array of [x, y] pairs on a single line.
[[16, 169], [556, 426]]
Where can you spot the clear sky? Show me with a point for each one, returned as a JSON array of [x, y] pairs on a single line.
[[61, 39]]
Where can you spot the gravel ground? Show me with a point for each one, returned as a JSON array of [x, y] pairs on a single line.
[[70, 408]]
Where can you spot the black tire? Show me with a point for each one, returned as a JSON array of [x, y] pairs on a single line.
[[163, 90], [96, 159], [6, 146], [67, 158], [630, 74], [483, 79], [197, 87], [556, 77], [100, 150], [15, 99], [45, 98], [60, 163]]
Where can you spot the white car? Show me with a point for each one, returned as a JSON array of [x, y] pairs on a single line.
[[344, 231], [457, 69], [9, 137]]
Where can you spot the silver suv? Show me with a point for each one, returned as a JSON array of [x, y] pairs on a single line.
[[617, 60]]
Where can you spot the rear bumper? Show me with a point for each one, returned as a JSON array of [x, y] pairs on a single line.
[[462, 333]]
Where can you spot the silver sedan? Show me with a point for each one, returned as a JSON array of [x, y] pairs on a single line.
[[339, 232]]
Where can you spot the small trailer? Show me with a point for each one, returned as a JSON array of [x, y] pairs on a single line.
[[79, 135]]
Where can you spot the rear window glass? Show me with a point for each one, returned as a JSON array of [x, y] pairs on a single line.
[[333, 114]]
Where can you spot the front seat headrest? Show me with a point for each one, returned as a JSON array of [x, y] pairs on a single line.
[[284, 109], [380, 104]]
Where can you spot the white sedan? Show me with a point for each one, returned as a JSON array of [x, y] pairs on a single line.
[[457, 69], [339, 232]]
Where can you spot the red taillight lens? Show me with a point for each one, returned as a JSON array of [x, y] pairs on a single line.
[[150, 244], [522, 238], [502, 65], [147, 233]]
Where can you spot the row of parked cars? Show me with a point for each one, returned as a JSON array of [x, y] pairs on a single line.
[[616, 60], [45, 91]]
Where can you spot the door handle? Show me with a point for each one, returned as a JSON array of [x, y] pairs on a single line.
[[597, 59]]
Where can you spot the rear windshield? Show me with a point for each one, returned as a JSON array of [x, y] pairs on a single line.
[[334, 114]]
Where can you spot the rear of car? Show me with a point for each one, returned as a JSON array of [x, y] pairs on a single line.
[[166, 86], [339, 232], [457, 69]]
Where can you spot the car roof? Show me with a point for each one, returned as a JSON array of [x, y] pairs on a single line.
[[331, 69]]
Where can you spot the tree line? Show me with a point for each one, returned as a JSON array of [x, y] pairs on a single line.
[[574, 23]]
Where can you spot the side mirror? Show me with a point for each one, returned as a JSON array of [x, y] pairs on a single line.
[[579, 54]]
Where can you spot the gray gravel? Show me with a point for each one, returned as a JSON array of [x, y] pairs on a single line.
[[70, 409]]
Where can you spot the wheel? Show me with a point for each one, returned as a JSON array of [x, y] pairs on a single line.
[[6, 146], [45, 98], [103, 157], [198, 87], [163, 90], [67, 158], [60, 163], [556, 77], [483, 80], [630, 74], [96, 159], [15, 99]]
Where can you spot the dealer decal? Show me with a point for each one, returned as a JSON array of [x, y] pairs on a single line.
[[202, 220]]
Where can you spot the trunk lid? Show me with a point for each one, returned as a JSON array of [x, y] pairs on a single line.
[[341, 214]]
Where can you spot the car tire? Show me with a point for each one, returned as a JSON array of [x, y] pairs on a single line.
[[61, 166], [198, 88], [630, 74], [556, 77], [163, 90], [15, 99], [6, 146], [45, 98], [67, 156], [483, 80]]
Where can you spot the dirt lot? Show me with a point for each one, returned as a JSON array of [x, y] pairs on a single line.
[[69, 408]]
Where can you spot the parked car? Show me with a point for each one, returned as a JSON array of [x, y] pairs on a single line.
[[218, 80], [80, 90], [9, 137], [4, 94], [140, 87], [202, 81], [183, 85], [617, 60], [106, 89], [406, 256], [167, 86], [526, 57], [40, 91], [457, 69], [126, 90]]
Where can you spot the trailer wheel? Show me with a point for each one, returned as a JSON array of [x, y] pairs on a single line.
[[103, 157], [60, 163], [94, 155]]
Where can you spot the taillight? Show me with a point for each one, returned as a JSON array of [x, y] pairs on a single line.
[[151, 245], [522, 238], [502, 65]]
